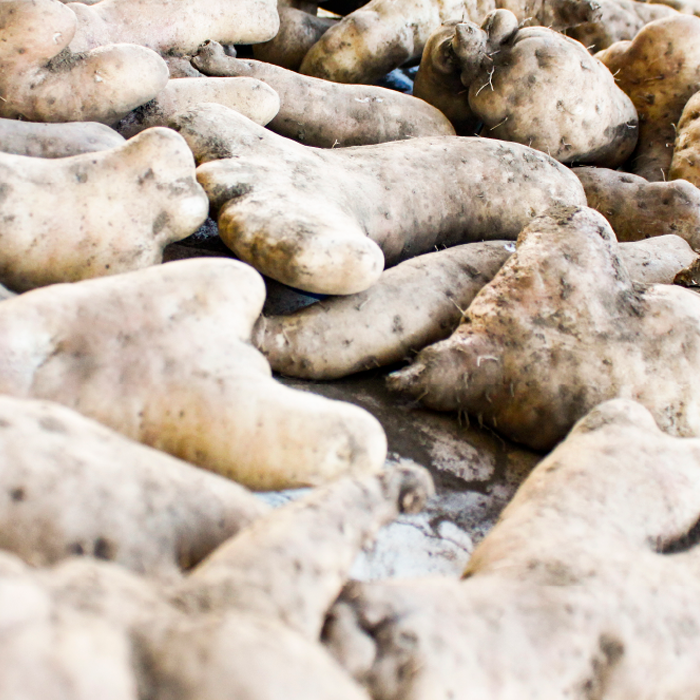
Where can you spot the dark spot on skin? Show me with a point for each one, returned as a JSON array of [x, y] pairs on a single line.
[[148, 175], [104, 549], [76, 548], [52, 425], [18, 494], [160, 222], [397, 325], [4, 423], [4, 191]]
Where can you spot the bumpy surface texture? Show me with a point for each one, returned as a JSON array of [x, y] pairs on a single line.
[[560, 329], [96, 214]]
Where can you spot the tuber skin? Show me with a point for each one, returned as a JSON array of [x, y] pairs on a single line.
[[78, 230], [530, 92], [327, 115], [252, 98], [667, 50], [163, 356], [657, 260], [41, 79], [414, 304], [153, 24], [586, 586], [144, 639], [438, 80], [55, 140], [70, 486], [560, 329], [378, 37], [685, 164], [326, 220], [639, 209], [618, 20], [298, 32]]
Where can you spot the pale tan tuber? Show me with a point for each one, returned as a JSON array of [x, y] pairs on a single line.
[[98, 213], [163, 356], [560, 329], [327, 220]]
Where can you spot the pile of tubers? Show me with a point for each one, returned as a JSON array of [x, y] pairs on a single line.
[[517, 242]]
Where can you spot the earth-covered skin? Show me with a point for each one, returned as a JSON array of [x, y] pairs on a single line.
[[154, 24], [530, 92], [327, 220], [560, 329], [584, 588], [638, 209], [319, 113]]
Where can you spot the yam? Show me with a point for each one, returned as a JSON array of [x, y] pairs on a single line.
[[530, 92], [153, 24], [55, 140], [69, 486], [414, 304], [560, 329], [162, 355], [326, 220], [638, 209], [42, 79], [252, 98], [586, 587], [659, 70], [320, 113], [96, 214]]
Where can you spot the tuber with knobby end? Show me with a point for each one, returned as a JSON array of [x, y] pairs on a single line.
[[257, 642], [326, 220], [560, 329], [70, 486], [313, 543], [418, 302], [98, 213], [438, 80], [41, 79], [253, 98], [660, 70], [530, 92], [585, 588], [638, 209], [153, 23], [55, 140], [163, 356], [324, 114]]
